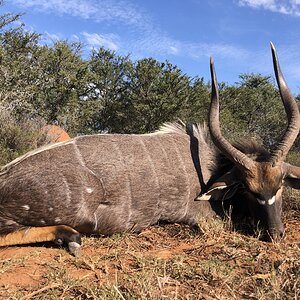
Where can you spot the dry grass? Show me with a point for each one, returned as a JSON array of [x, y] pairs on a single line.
[[163, 262]]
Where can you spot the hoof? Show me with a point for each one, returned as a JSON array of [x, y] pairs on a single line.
[[74, 248], [68, 236], [197, 229]]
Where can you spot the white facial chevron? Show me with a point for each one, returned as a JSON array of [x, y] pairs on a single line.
[[269, 201]]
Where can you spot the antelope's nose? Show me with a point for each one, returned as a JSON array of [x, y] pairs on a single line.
[[277, 235]]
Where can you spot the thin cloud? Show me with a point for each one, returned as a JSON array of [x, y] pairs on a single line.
[[144, 37], [54, 37], [95, 40], [219, 50], [290, 7], [99, 11], [174, 50], [289, 59], [160, 45], [51, 38]]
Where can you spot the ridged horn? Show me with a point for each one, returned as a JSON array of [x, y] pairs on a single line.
[[291, 171], [291, 108], [240, 159]]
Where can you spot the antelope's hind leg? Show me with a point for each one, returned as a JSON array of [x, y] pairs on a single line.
[[60, 234], [69, 236]]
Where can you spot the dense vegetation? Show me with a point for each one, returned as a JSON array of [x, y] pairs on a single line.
[[42, 84]]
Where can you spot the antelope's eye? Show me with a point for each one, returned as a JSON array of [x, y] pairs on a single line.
[[257, 195]]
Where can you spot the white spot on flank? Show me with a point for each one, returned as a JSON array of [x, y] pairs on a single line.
[[10, 222], [43, 221], [89, 190], [50, 209], [26, 207], [272, 200], [57, 220]]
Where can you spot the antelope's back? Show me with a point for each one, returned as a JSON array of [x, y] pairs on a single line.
[[101, 183]]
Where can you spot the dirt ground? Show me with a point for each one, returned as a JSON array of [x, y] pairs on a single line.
[[162, 262]]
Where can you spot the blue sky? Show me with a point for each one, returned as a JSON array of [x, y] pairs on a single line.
[[185, 32]]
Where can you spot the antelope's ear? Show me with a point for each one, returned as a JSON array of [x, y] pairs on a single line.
[[292, 176], [223, 188]]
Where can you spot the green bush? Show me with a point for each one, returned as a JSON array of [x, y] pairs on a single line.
[[16, 137]]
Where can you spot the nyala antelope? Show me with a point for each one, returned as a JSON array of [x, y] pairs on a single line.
[[107, 183]]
